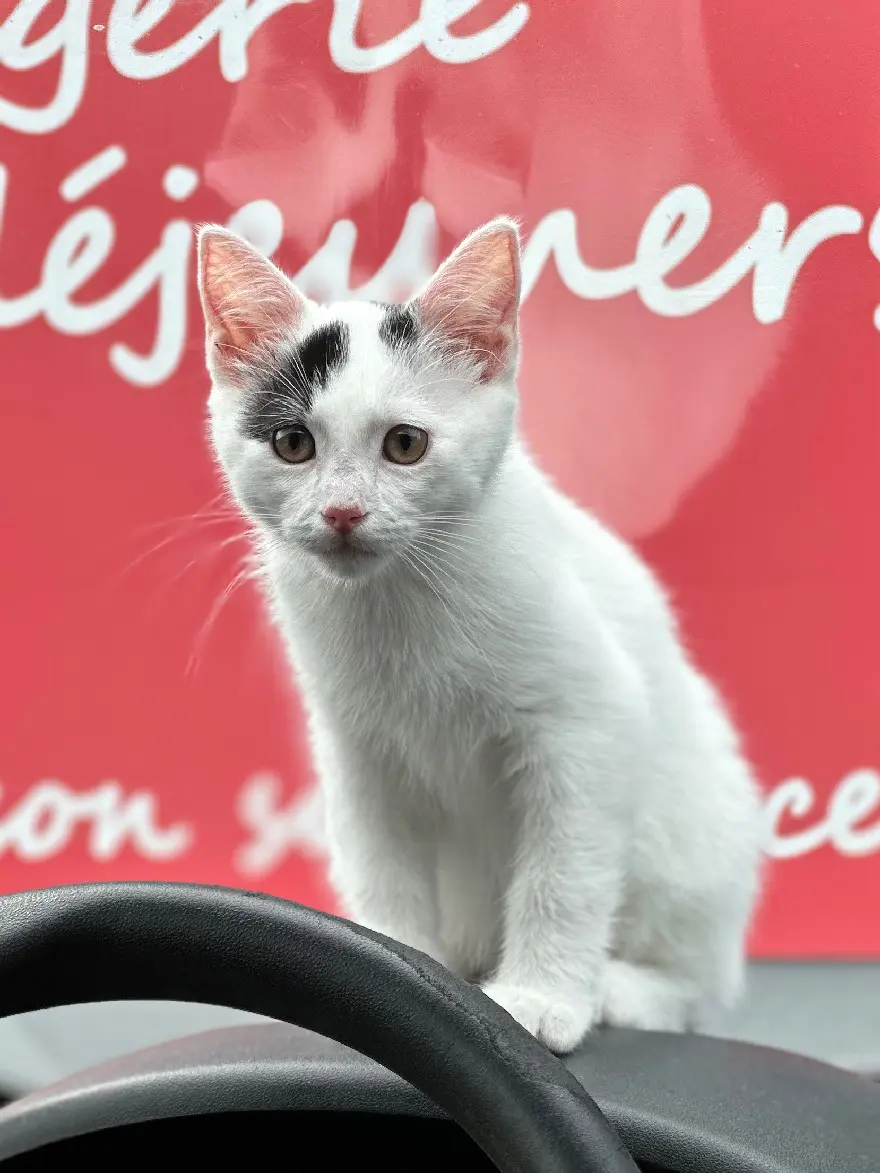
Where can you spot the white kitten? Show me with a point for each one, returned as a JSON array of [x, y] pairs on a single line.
[[524, 775]]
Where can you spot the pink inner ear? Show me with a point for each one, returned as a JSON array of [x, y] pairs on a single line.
[[473, 300], [247, 301]]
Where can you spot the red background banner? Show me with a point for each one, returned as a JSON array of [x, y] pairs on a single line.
[[698, 185]]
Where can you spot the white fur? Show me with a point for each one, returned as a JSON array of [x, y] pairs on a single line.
[[524, 774]]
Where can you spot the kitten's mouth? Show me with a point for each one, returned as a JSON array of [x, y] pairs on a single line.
[[348, 552], [346, 555]]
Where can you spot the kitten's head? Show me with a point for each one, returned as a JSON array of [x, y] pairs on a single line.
[[352, 433]]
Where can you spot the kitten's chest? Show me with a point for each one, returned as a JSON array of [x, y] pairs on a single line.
[[419, 694], [425, 698], [412, 653]]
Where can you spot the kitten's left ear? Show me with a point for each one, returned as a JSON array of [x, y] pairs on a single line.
[[472, 301]]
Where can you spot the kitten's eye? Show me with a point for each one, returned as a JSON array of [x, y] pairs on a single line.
[[405, 445], [295, 445]]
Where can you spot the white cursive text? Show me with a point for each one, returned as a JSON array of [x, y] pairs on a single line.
[[43, 822]]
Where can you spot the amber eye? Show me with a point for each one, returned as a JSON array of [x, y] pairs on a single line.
[[295, 445], [405, 445]]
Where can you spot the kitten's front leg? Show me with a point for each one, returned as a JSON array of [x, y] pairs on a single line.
[[568, 800], [381, 860]]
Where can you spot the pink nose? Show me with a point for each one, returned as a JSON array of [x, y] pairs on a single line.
[[342, 520]]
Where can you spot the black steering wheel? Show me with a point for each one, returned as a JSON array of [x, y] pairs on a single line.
[[182, 942]]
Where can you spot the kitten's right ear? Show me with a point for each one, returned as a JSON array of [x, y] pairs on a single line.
[[247, 301]]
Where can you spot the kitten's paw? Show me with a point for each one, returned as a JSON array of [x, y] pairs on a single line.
[[642, 997], [558, 1021]]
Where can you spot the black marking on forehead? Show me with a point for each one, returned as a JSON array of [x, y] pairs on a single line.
[[323, 352], [286, 396], [399, 326]]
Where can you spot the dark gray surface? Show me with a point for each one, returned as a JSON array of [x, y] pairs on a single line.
[[686, 1104]]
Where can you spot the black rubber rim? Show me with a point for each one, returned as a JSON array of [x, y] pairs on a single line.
[[187, 942]]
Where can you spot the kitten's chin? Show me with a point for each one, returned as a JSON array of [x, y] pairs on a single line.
[[349, 564]]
